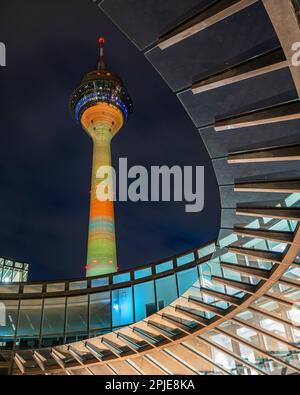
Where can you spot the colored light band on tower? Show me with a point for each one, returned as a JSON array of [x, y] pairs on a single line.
[[101, 97]]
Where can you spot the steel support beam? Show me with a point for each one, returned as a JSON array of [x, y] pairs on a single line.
[[291, 214], [284, 186], [281, 113], [263, 64], [281, 237], [207, 17]]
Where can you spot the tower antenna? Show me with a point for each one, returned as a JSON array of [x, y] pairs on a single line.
[[101, 64]]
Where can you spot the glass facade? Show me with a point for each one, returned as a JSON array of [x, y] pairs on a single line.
[[99, 305], [12, 271]]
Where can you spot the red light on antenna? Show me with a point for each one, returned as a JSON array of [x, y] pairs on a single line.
[[102, 40], [86, 267]]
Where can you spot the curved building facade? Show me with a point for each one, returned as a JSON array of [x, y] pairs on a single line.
[[235, 312], [44, 315]]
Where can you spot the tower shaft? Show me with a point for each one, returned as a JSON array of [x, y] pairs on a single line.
[[102, 122]]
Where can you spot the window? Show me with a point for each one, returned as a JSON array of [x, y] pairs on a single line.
[[54, 316], [33, 288], [186, 279], [144, 300], [100, 282], [30, 317], [56, 287], [78, 285], [142, 273], [100, 311], [77, 314], [8, 317], [183, 260], [122, 307], [166, 291], [121, 278], [163, 267]]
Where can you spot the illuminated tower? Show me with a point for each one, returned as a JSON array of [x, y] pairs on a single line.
[[102, 105]]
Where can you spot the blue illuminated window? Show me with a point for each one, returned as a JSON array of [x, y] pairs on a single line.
[[166, 291], [144, 300], [100, 310], [9, 308], [100, 282], [186, 279], [163, 267], [183, 260], [142, 273], [122, 307], [121, 278], [210, 249]]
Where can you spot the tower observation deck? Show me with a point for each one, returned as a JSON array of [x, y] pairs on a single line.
[[102, 105]]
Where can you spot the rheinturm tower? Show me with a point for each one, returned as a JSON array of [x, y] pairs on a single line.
[[102, 105]]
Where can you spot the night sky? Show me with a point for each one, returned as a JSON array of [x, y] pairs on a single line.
[[45, 158]]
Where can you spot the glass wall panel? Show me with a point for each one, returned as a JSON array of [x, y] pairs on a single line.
[[285, 292], [33, 288], [78, 285], [243, 277], [183, 260], [220, 358], [186, 279], [211, 268], [17, 276], [163, 267], [210, 249], [77, 314], [56, 287], [142, 273], [293, 274], [274, 326], [122, 307], [100, 282], [266, 343], [9, 289], [277, 309], [166, 291], [8, 318], [30, 317], [144, 300], [54, 316], [121, 278], [7, 275], [100, 311], [257, 359]]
